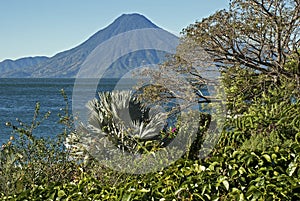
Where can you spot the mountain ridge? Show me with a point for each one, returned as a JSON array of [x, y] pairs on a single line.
[[67, 63]]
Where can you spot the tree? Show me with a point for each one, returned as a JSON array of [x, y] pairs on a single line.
[[257, 34], [255, 44], [252, 39]]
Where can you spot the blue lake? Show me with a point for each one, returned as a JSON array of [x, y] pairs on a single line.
[[18, 98]]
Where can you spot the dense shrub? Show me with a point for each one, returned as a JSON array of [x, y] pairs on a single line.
[[228, 175], [38, 169], [27, 160]]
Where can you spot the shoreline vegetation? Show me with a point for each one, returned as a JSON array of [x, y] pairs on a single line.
[[34, 168]]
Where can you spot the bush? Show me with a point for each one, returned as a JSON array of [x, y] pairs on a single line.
[[28, 160], [252, 161]]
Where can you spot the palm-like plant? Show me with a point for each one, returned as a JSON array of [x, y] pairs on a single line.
[[117, 118]]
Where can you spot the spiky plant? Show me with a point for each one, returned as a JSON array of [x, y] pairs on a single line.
[[118, 119]]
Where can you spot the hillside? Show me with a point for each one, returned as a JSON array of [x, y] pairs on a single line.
[[67, 63]]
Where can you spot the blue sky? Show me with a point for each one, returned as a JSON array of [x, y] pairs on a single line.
[[46, 27]]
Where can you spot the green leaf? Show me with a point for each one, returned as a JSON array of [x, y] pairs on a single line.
[[61, 193], [292, 168], [126, 197], [235, 190], [242, 170], [208, 196], [254, 154], [267, 157], [252, 189], [226, 184], [144, 190], [232, 173]]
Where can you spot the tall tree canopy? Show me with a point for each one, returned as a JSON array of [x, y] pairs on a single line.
[[262, 35], [253, 38]]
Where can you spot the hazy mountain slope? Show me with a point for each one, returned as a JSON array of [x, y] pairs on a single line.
[[68, 63], [20, 67]]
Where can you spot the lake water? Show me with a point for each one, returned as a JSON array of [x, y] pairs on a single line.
[[18, 98]]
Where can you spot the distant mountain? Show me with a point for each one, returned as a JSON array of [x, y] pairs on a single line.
[[20, 67], [68, 63]]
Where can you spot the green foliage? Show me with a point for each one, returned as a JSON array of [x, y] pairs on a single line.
[[237, 169], [28, 160], [228, 175], [256, 158], [265, 113]]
